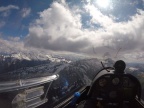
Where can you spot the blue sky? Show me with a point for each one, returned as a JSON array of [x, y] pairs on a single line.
[[73, 25], [15, 23]]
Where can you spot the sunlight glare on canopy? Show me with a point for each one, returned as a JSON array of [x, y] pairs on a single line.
[[103, 3]]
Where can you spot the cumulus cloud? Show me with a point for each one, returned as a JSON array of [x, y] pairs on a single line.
[[57, 29], [11, 45], [127, 35], [25, 12], [16, 45], [60, 28], [9, 7], [98, 17]]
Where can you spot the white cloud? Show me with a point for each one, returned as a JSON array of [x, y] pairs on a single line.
[[7, 8], [15, 45], [59, 28], [128, 35], [98, 17], [9, 46], [25, 12]]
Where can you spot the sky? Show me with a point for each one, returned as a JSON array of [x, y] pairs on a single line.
[[89, 27]]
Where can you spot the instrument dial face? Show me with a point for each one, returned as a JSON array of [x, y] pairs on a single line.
[[102, 82], [115, 81]]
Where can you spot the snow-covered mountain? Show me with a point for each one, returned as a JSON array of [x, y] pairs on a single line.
[[15, 61], [28, 65], [137, 70], [31, 56], [23, 66]]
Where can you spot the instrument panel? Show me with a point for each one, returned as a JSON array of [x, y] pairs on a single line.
[[102, 82], [115, 87], [115, 81]]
